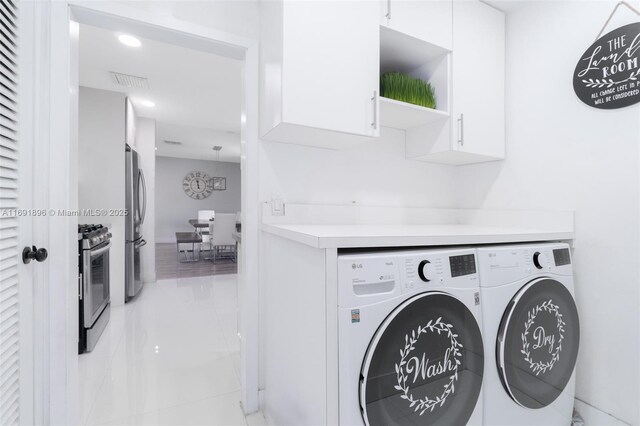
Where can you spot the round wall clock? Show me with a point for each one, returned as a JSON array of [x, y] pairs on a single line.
[[197, 185]]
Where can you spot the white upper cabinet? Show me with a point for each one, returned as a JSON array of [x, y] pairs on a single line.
[[319, 72], [474, 132], [478, 81], [426, 20]]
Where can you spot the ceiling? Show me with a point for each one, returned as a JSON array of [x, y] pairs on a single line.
[[197, 95], [505, 5], [197, 143]]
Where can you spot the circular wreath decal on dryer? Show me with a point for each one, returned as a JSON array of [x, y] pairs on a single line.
[[538, 341], [420, 367], [542, 338]]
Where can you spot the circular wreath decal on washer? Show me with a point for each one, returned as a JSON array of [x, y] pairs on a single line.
[[424, 365], [538, 343], [404, 368]]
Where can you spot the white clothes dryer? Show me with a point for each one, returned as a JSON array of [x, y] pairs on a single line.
[[532, 334], [410, 339]]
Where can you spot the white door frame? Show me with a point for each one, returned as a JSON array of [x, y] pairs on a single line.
[[29, 284], [63, 181]]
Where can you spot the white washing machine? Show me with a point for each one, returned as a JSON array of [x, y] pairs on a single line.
[[410, 339], [532, 334]]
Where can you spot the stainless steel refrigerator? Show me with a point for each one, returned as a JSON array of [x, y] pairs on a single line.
[[136, 205]]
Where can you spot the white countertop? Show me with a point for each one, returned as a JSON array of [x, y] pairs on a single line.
[[349, 236]]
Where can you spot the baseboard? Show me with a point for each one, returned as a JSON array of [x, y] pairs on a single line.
[[593, 416]]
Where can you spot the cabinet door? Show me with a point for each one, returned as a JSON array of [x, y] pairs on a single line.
[[478, 79], [427, 20], [330, 70]]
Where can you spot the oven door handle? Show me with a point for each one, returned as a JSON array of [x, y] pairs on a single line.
[[101, 250]]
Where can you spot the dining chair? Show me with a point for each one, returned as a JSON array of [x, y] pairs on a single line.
[[206, 214], [220, 238]]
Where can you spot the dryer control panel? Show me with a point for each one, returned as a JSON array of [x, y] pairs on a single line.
[[508, 263]]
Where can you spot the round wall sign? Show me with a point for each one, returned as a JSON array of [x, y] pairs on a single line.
[[197, 185], [608, 73]]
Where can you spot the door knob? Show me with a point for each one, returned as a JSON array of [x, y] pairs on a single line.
[[30, 253]]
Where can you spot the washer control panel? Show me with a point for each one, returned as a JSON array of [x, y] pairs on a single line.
[[464, 264], [433, 269], [372, 277]]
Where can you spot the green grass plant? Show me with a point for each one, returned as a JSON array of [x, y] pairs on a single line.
[[402, 87]]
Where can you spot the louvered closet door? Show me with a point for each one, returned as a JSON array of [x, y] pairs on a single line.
[[9, 230]]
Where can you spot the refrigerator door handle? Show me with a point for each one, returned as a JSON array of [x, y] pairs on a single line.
[[142, 183]]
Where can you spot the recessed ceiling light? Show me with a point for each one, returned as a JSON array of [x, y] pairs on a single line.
[[129, 40], [156, 148], [146, 103]]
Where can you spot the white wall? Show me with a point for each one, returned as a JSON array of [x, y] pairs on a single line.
[[232, 16], [131, 122], [101, 171], [145, 142], [174, 208], [374, 173], [562, 154]]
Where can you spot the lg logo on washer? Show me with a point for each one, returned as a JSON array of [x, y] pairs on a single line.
[[431, 352]]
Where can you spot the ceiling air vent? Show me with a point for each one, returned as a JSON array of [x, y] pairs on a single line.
[[129, 80], [173, 142]]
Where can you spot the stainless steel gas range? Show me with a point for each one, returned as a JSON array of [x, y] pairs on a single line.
[[94, 242]]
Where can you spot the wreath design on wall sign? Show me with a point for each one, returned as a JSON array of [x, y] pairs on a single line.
[[427, 403], [597, 83], [539, 366]]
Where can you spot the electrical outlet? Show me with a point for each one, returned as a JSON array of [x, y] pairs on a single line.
[[277, 207]]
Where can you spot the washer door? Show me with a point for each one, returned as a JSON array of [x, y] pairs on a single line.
[[538, 343], [424, 365]]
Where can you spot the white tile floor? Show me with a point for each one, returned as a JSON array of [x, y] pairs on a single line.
[[169, 357]]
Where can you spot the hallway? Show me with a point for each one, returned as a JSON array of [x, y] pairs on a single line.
[[169, 357]]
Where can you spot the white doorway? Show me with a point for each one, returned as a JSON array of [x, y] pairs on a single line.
[[172, 352], [62, 72]]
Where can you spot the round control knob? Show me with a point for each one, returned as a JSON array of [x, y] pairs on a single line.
[[425, 271], [94, 239], [539, 260]]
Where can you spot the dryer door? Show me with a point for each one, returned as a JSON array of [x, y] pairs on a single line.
[[424, 365], [538, 342]]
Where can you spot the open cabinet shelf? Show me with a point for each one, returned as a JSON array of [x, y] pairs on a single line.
[[417, 58], [402, 115]]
